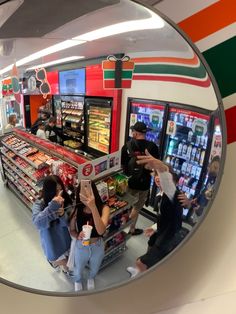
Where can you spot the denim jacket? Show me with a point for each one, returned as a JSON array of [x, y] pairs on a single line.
[[53, 230]]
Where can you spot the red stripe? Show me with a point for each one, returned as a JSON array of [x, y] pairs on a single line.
[[230, 115], [205, 83]]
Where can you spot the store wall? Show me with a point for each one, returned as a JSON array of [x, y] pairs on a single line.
[[204, 268]]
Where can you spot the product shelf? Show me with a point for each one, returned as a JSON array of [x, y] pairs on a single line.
[[23, 157], [13, 189], [21, 168], [114, 255], [21, 176], [110, 250], [112, 234]]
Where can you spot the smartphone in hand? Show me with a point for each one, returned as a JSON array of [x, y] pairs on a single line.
[[86, 187]]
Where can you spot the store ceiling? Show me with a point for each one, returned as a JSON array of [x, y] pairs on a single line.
[[36, 25]]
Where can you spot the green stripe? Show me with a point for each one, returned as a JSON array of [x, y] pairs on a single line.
[[222, 61], [198, 72], [111, 74]]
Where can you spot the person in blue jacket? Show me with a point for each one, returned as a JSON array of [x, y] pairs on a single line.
[[50, 219]]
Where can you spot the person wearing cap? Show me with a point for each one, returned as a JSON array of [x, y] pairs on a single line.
[[138, 183]]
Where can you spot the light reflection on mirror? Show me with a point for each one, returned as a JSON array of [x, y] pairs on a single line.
[[171, 92]]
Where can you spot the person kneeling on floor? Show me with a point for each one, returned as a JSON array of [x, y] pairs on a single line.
[[169, 222]]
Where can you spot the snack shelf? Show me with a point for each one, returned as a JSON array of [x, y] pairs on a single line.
[[13, 189], [21, 176], [115, 247], [23, 157], [112, 234], [18, 166], [109, 258], [23, 192]]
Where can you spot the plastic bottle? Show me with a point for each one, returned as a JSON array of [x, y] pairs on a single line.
[[202, 157], [180, 147], [176, 164], [184, 150], [190, 135], [189, 150], [171, 147]]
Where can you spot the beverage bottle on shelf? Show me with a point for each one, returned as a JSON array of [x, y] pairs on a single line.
[[190, 136], [184, 150], [181, 181], [176, 117], [171, 147], [186, 120], [193, 171], [188, 170], [189, 150], [180, 147], [198, 155], [193, 153], [205, 141], [172, 162], [198, 172], [202, 140], [198, 139], [184, 167], [181, 118], [176, 164], [202, 157], [168, 159]]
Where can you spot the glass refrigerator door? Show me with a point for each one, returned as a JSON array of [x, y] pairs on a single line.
[[185, 146], [57, 111], [99, 125], [151, 115]]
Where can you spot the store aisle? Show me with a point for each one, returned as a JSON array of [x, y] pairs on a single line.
[[22, 260]]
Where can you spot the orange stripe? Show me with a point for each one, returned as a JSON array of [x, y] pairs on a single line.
[[209, 20], [111, 65], [193, 60]]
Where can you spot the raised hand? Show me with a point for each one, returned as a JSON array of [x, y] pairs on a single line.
[[59, 199], [151, 163]]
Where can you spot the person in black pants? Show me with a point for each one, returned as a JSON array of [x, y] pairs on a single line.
[[169, 222], [139, 177]]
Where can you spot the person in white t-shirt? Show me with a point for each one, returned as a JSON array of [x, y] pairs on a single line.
[[41, 131]]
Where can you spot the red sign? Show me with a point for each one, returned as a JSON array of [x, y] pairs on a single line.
[[87, 170], [53, 82]]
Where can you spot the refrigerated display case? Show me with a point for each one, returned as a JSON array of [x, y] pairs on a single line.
[[149, 112], [98, 115], [186, 146], [69, 114]]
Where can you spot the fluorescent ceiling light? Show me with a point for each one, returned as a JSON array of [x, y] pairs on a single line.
[[150, 23], [42, 53], [58, 61], [7, 9], [153, 22]]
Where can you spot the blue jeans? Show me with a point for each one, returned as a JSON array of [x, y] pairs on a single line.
[[92, 254]]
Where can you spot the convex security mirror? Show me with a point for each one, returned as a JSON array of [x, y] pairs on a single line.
[[163, 83]]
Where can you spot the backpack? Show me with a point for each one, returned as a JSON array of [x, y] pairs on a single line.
[[139, 176]]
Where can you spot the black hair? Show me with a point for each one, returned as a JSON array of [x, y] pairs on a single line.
[[175, 176], [80, 206], [49, 190]]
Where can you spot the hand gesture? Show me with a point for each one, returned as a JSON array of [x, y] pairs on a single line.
[[184, 201], [88, 198], [59, 199], [151, 163], [61, 211], [149, 232]]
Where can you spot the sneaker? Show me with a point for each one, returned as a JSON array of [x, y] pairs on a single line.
[[136, 232], [132, 271], [90, 284], [78, 286]]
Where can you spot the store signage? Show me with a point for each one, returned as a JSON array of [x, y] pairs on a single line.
[[117, 73], [15, 84], [7, 87], [171, 128], [44, 87], [100, 167]]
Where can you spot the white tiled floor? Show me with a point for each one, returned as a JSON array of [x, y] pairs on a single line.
[[22, 260]]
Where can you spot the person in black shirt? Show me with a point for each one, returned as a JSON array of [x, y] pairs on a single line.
[[139, 177], [51, 131], [169, 223]]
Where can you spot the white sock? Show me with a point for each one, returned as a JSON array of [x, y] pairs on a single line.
[[133, 271]]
